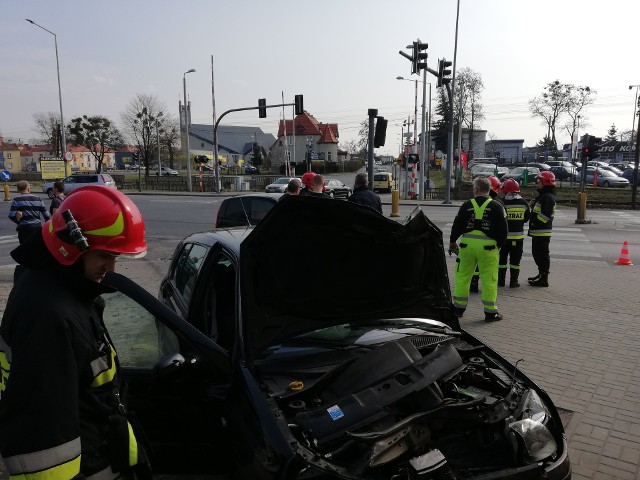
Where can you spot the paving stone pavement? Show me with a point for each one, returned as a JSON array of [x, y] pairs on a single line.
[[579, 339]]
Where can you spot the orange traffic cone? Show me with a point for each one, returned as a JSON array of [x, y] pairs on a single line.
[[624, 255]]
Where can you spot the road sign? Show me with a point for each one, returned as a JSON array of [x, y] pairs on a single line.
[[5, 175], [68, 156]]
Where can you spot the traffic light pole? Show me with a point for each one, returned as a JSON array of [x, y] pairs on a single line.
[[215, 127], [634, 184], [372, 112], [423, 137], [449, 167]]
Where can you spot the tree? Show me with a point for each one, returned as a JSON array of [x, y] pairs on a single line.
[[612, 134], [362, 142], [140, 119], [467, 106], [440, 127], [97, 134], [560, 99], [169, 137], [48, 126]]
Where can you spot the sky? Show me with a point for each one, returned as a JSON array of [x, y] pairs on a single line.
[[342, 55]]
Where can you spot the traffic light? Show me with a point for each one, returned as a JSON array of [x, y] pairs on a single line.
[[262, 108], [593, 147], [418, 55], [443, 72], [380, 133], [299, 108], [135, 157]]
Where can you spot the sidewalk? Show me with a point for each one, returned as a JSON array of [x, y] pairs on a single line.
[[579, 339]]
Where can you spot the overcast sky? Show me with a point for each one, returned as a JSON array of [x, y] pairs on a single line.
[[342, 55]]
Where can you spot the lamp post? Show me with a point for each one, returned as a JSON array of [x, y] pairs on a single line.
[[309, 144], [186, 122], [636, 158], [63, 149], [633, 124], [158, 142]]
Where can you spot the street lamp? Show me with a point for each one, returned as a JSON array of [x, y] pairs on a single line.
[[158, 142], [186, 122], [64, 140], [633, 125]]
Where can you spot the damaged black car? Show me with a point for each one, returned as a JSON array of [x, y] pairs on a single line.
[[259, 362]]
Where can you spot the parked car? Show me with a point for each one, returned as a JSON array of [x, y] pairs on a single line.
[[250, 169], [165, 171], [480, 166], [77, 180], [378, 380], [383, 182], [335, 188], [540, 166], [628, 174], [490, 170], [279, 186], [517, 173], [244, 210], [560, 163], [564, 173], [605, 178]]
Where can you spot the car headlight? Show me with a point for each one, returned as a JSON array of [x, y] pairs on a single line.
[[536, 437]]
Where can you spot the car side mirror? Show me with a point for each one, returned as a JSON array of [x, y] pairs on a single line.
[[171, 364]]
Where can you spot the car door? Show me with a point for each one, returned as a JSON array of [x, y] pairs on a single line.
[[176, 381]]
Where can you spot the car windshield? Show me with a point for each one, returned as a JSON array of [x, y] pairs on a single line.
[[517, 170]]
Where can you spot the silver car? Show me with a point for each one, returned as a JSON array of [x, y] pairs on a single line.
[[279, 186], [78, 180]]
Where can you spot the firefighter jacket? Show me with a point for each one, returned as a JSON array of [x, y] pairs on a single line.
[[518, 214], [542, 213], [60, 412], [493, 222]]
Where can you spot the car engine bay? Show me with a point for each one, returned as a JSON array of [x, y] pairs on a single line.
[[423, 406]]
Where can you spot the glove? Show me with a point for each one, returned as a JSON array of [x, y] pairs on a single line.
[[453, 248]]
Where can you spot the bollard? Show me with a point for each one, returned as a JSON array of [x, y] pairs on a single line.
[[582, 208], [7, 197], [395, 200]]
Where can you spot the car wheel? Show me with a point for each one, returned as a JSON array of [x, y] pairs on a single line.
[[50, 193], [605, 183]]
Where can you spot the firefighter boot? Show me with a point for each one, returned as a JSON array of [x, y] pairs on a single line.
[[473, 287], [513, 279], [542, 281], [533, 279], [502, 275]]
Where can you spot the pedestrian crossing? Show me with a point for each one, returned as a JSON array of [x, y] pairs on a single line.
[[568, 244], [8, 239]]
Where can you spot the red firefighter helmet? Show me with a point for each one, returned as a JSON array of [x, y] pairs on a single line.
[[510, 186], [547, 178], [495, 183], [95, 218], [307, 179]]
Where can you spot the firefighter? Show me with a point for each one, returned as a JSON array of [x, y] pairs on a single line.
[[518, 213], [495, 191], [61, 411], [543, 209], [482, 224]]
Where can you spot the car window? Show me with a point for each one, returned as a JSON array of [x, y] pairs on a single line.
[[187, 268], [259, 208], [69, 180], [219, 322], [139, 340]]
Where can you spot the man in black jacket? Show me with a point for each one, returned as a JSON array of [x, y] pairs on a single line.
[[482, 224], [61, 413], [543, 209], [363, 196]]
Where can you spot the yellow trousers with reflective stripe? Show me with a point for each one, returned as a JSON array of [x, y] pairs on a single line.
[[486, 255]]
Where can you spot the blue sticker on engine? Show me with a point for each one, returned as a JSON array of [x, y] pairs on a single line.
[[335, 412]]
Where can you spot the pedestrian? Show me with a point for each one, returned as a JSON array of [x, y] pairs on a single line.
[[493, 193], [317, 187], [518, 214], [58, 196], [543, 209], [293, 188], [26, 210], [482, 224], [362, 195], [61, 411], [307, 183]]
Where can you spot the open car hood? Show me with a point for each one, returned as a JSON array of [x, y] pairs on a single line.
[[316, 262]]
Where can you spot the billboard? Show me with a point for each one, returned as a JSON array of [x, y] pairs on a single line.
[[52, 169]]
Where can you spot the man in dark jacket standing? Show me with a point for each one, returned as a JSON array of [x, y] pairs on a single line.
[[543, 209], [518, 215], [482, 224], [25, 211], [363, 196], [61, 410]]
